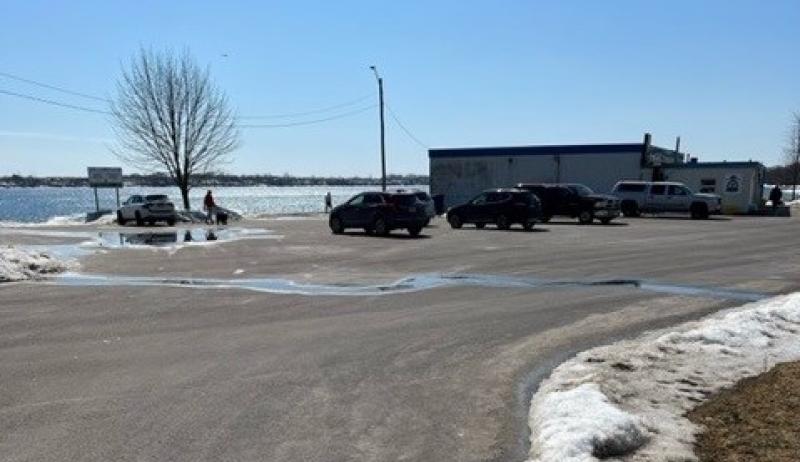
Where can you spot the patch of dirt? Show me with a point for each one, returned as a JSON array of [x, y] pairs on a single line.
[[757, 420]]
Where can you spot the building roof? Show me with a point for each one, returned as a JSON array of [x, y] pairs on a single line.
[[542, 150], [747, 164]]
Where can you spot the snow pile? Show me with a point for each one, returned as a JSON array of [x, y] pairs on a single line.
[[18, 265], [78, 219], [628, 400]]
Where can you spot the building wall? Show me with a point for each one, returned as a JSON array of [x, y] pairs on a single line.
[[461, 178], [722, 180]]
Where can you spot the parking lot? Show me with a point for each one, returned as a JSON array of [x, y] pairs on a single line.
[[186, 373]]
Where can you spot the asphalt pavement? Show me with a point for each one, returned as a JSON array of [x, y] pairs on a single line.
[[130, 373]]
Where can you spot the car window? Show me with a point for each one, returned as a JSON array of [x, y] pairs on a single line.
[[421, 195], [373, 199], [658, 189], [580, 189], [630, 187], [495, 197], [479, 199], [357, 200], [404, 199], [156, 197], [675, 190], [523, 198]]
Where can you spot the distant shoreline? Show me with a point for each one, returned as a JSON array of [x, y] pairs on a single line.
[[19, 181]]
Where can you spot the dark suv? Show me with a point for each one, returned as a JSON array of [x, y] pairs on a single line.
[[502, 207], [574, 201], [379, 213]]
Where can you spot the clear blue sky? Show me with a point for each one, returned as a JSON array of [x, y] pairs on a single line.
[[722, 74]]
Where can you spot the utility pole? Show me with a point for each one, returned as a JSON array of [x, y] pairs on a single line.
[[383, 129]]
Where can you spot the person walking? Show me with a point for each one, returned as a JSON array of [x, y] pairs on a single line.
[[776, 197], [328, 202], [209, 206]]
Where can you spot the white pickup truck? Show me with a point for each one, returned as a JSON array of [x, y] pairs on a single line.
[[638, 197], [147, 209]]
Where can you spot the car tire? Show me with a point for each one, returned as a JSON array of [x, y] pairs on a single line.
[[414, 231], [528, 225], [545, 219], [171, 222], [427, 223], [454, 220], [585, 217], [699, 211], [336, 225], [605, 221], [630, 209], [502, 222], [379, 226], [120, 219], [139, 220], [480, 225]]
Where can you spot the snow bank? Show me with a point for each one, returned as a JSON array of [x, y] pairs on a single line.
[[18, 265], [628, 400], [79, 219]]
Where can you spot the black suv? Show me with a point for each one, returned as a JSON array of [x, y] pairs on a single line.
[[574, 201], [379, 213], [503, 207]]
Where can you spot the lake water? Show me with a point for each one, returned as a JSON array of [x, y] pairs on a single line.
[[57, 205]]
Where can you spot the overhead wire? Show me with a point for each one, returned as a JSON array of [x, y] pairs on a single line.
[[403, 127], [309, 122], [315, 111], [54, 103], [53, 87]]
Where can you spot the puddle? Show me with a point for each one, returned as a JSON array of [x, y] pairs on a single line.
[[410, 284], [118, 239]]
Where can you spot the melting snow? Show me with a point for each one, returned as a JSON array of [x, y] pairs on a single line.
[[18, 264], [628, 400]]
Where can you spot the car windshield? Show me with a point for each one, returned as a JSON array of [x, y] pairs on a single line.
[[156, 198], [404, 199], [580, 189]]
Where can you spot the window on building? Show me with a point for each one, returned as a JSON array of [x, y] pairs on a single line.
[[708, 185]]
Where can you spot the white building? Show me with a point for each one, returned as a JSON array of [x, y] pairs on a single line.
[[461, 173]]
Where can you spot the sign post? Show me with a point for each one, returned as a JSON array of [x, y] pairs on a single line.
[[103, 177]]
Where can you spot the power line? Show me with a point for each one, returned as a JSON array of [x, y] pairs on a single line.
[[53, 87], [403, 127], [54, 103], [309, 122], [315, 111]]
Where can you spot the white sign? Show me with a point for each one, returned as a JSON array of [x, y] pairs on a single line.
[[732, 184], [105, 177]]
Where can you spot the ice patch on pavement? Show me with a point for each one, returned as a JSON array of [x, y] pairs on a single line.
[[19, 264], [628, 400]]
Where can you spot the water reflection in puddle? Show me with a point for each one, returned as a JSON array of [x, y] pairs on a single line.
[[410, 284], [177, 237]]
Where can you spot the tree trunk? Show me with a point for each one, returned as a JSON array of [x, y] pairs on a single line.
[[185, 196]]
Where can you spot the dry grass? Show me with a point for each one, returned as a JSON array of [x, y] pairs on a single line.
[[757, 420]]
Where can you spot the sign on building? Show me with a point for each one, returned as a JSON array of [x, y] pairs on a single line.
[[105, 177], [732, 184]]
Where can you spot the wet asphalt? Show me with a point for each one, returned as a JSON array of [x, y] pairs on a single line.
[[188, 373]]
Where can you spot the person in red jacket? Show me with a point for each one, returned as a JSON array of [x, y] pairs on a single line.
[[209, 205]]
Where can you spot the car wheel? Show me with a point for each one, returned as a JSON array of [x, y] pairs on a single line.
[[528, 225], [379, 226], [171, 222], [139, 220], [120, 219], [336, 225], [151, 222], [630, 209], [454, 220], [586, 217], [480, 225], [545, 219], [427, 223], [605, 221], [502, 222], [414, 231], [699, 211]]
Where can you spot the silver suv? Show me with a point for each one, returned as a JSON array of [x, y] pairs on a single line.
[[637, 197]]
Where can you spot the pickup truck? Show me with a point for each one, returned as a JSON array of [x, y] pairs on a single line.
[[662, 196], [575, 201]]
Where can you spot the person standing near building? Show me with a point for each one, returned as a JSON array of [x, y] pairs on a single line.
[[328, 202], [776, 197], [209, 205]]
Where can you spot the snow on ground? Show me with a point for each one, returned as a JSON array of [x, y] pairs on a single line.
[[19, 264], [627, 401]]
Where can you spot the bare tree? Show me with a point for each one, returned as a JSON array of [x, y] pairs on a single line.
[[792, 154], [170, 116]]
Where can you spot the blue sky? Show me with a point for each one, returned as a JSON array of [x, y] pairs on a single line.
[[721, 74]]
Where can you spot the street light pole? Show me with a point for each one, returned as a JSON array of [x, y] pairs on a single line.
[[383, 129]]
